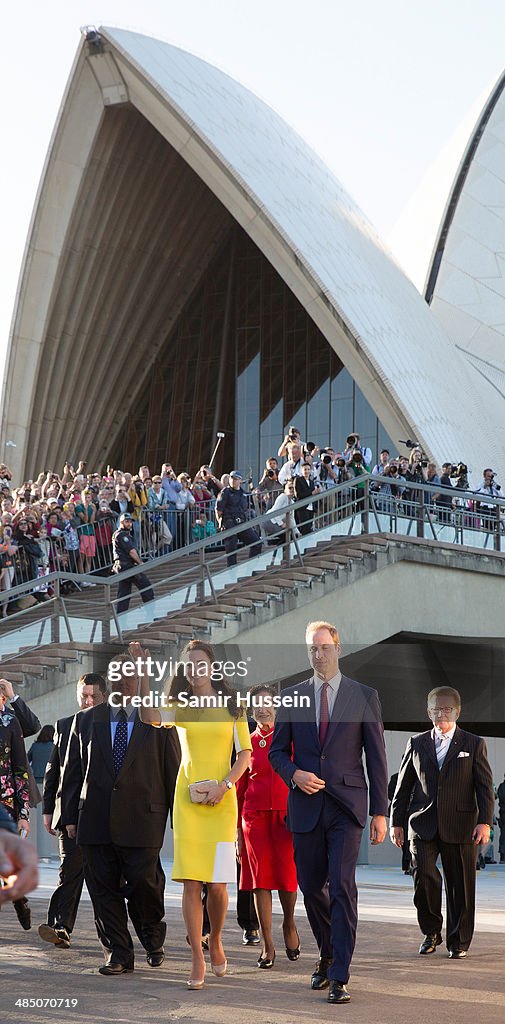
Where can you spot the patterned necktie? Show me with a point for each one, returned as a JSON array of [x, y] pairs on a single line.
[[120, 741], [324, 714], [442, 748]]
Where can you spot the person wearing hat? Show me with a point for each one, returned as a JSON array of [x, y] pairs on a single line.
[[233, 506], [126, 557]]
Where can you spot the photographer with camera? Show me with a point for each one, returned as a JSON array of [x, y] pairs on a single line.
[[206, 477], [416, 474], [444, 497], [356, 467], [233, 508], [387, 493], [269, 487], [490, 489], [293, 436], [353, 444]]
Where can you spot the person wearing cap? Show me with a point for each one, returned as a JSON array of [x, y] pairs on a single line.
[[126, 557], [233, 506]]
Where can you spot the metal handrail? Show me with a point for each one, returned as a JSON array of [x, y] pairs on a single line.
[[209, 558]]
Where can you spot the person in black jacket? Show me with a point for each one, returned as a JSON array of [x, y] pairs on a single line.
[[232, 506], [126, 557], [63, 905], [304, 487], [445, 774], [118, 787]]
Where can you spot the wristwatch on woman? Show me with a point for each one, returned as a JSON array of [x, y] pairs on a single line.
[[228, 784]]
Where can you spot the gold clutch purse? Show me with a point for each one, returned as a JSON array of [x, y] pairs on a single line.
[[197, 793]]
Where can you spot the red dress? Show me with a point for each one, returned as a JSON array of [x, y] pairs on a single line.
[[267, 854]]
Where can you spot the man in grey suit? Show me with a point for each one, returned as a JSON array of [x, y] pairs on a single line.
[[445, 774]]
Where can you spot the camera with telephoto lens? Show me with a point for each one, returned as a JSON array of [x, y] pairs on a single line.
[[356, 457], [459, 470], [326, 458], [270, 473], [352, 439]]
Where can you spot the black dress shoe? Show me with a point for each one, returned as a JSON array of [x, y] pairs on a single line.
[[250, 937], [266, 962], [155, 957], [113, 967], [430, 943], [24, 913], [457, 954], [319, 977], [338, 993]]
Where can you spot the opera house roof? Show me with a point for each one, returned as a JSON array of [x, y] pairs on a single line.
[[154, 154]]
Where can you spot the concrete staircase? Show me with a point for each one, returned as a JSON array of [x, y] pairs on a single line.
[[335, 559], [254, 599]]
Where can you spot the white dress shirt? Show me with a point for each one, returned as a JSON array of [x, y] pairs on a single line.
[[442, 743], [333, 685]]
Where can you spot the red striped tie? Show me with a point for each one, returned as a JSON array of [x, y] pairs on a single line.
[[324, 715]]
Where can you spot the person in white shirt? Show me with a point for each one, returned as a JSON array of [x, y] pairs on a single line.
[[488, 489], [275, 526], [293, 467]]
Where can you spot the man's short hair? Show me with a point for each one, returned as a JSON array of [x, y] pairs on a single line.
[[445, 691], [313, 626], [93, 679], [384, 451], [445, 465], [488, 470]]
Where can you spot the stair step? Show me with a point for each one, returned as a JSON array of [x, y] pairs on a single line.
[[29, 669], [236, 603]]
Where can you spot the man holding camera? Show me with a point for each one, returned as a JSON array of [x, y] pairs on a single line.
[[489, 489], [353, 445], [232, 507]]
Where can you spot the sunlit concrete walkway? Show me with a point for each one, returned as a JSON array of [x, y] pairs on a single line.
[[390, 982]]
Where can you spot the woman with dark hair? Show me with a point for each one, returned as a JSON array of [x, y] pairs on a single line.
[[40, 752], [14, 787], [264, 844], [209, 724]]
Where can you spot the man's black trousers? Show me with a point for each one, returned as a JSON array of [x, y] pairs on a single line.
[[118, 874]]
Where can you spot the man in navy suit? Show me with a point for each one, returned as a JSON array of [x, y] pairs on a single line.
[[318, 751], [450, 813]]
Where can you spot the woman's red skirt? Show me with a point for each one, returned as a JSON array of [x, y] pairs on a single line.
[[267, 860]]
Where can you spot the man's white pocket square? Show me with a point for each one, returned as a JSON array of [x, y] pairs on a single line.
[[463, 753]]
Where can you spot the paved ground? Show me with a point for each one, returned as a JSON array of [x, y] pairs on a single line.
[[390, 982]]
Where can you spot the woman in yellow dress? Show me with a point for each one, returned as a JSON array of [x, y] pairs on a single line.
[[204, 831]]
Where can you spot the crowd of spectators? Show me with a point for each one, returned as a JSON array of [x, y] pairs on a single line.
[[67, 521]]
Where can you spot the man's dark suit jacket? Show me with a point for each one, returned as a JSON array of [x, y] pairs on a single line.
[[29, 722], [450, 800], [51, 791], [132, 808], [355, 726]]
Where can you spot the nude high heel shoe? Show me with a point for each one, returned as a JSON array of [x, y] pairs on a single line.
[[219, 969], [194, 985]]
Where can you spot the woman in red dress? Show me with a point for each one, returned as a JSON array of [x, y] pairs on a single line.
[[264, 844]]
